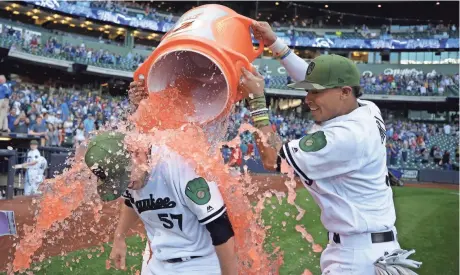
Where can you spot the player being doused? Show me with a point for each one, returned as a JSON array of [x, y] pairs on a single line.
[[35, 166], [184, 214]]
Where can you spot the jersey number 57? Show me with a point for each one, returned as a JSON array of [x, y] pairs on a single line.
[[168, 222]]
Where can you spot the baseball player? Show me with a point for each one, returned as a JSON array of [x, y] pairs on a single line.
[[183, 213], [342, 161], [36, 166]]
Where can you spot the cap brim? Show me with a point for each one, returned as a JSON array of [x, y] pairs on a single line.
[[111, 188], [304, 85]]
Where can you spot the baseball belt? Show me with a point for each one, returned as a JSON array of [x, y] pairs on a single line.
[[381, 237], [183, 259]]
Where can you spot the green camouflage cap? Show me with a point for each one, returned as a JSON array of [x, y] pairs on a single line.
[[108, 160], [329, 71]]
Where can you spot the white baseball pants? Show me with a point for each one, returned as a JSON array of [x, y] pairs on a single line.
[[354, 255]]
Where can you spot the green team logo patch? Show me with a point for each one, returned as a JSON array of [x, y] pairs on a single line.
[[313, 142], [198, 191]]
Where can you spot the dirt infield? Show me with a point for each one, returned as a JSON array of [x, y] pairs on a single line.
[[83, 231]]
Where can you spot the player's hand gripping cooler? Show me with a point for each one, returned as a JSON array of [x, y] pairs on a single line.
[[198, 63]]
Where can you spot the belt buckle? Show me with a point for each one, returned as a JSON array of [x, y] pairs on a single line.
[[186, 259]]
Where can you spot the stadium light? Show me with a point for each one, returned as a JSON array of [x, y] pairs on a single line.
[[15, 12], [277, 3], [379, 6], [326, 6], [36, 11], [437, 3]]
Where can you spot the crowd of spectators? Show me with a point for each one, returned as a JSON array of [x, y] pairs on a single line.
[[59, 116], [420, 84], [66, 116], [149, 9], [406, 138], [430, 84], [76, 53]]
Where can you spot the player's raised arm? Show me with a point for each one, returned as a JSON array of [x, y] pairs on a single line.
[[203, 198], [252, 85], [295, 66]]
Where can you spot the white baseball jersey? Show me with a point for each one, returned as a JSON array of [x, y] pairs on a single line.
[[343, 165], [33, 155], [175, 205]]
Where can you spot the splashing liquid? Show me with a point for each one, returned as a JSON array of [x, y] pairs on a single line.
[[162, 119], [193, 143]]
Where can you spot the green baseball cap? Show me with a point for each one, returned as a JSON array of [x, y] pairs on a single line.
[[108, 159], [329, 71]]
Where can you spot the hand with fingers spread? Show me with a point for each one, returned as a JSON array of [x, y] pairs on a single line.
[[263, 32], [118, 254], [137, 92], [251, 83]]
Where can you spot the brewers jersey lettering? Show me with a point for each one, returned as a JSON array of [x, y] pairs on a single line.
[[342, 163], [175, 205]]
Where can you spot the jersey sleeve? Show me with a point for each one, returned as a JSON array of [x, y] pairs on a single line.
[[326, 153], [201, 196]]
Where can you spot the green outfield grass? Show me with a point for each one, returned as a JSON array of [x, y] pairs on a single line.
[[428, 221]]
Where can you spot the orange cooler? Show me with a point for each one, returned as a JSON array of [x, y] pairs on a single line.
[[205, 50]]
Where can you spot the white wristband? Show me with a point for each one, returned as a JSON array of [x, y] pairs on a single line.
[[277, 47]]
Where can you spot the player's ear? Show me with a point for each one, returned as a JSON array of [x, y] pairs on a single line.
[[347, 91]]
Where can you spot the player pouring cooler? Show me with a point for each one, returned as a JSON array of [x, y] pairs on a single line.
[[184, 214], [342, 161]]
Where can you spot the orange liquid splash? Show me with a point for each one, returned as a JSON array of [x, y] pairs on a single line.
[[162, 119]]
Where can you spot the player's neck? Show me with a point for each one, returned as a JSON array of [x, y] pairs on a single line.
[[349, 108]]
